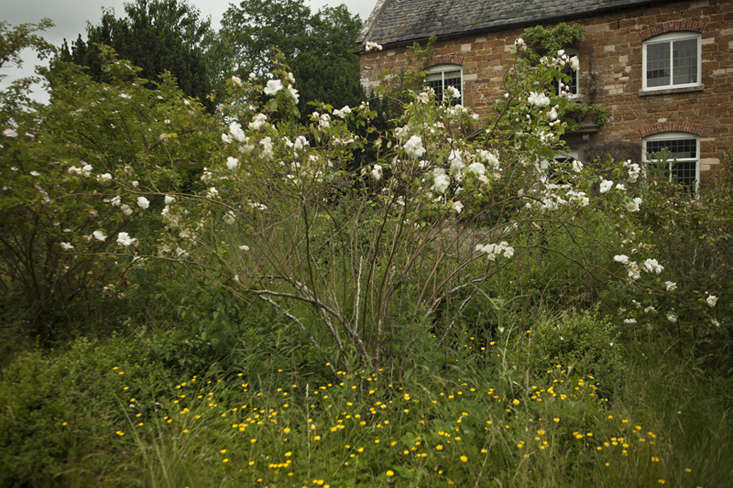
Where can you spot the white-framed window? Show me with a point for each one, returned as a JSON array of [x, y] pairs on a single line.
[[441, 77], [671, 61], [683, 157]]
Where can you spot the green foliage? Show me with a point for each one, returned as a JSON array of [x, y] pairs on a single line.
[[156, 137], [57, 410], [157, 36], [546, 41], [15, 39], [414, 302], [695, 234], [542, 45], [587, 344], [575, 113], [210, 330], [319, 47]]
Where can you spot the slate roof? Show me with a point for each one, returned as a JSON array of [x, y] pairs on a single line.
[[398, 22]]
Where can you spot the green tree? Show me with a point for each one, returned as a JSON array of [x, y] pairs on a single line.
[[320, 48], [158, 36], [15, 97], [59, 157], [13, 40]]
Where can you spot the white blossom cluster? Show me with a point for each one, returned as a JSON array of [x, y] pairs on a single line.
[[538, 99], [414, 148], [633, 270], [372, 46], [634, 171], [272, 87], [342, 112], [494, 250], [85, 170]]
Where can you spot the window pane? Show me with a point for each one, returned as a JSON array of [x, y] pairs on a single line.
[[453, 79], [439, 81], [571, 86], [657, 169], [657, 64], [437, 86], [573, 83], [685, 173], [678, 148], [684, 58]]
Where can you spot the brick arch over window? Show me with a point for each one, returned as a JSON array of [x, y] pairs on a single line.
[[662, 127], [679, 26], [440, 60]]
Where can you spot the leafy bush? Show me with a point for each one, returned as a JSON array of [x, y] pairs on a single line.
[[60, 411], [59, 161]]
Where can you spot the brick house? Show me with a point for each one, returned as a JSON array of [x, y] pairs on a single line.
[[662, 68]]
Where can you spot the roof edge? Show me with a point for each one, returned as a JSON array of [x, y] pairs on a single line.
[[367, 28], [501, 27]]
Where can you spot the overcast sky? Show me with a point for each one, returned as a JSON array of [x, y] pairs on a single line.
[[71, 16]]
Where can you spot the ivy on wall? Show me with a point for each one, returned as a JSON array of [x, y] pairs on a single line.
[[545, 42]]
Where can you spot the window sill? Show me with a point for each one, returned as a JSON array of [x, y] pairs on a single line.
[[671, 91], [585, 128]]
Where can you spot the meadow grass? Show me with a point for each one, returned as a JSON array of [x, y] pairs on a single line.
[[496, 419]]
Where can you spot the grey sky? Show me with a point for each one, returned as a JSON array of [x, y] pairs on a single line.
[[71, 16]]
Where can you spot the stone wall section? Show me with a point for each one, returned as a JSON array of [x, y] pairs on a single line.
[[611, 75]]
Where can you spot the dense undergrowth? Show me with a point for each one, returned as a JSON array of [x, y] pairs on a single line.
[[256, 298], [560, 400]]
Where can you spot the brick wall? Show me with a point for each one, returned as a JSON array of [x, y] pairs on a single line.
[[611, 75]]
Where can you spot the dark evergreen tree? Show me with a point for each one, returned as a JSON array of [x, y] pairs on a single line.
[[158, 36]]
